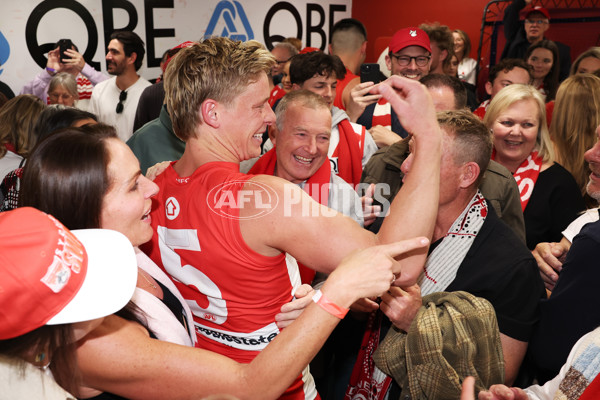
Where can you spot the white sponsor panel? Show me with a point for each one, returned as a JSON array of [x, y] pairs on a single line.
[[28, 28], [252, 341]]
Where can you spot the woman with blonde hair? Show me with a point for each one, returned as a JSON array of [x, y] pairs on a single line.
[[17, 119], [550, 197], [587, 62], [574, 121]]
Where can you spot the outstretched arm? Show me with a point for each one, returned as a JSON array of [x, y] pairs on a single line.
[[511, 18], [120, 358], [414, 209]]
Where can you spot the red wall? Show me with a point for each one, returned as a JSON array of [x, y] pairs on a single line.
[[393, 15], [384, 17]]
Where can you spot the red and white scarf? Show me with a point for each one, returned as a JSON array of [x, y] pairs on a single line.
[[526, 176], [382, 114], [349, 152]]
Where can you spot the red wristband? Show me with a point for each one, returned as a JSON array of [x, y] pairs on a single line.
[[329, 306]]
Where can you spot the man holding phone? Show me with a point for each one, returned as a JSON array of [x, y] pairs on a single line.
[[409, 57], [66, 58]]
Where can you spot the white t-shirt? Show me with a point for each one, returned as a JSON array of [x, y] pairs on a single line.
[[105, 98]]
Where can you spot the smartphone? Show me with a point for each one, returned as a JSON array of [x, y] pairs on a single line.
[[64, 45], [369, 72]]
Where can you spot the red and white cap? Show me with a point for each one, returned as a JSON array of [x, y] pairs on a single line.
[[178, 47], [409, 37], [537, 9], [50, 275]]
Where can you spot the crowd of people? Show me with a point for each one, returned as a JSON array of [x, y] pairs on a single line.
[[268, 224]]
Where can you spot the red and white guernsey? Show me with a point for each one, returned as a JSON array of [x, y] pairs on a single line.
[[233, 292]]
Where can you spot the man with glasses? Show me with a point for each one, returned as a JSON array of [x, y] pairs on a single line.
[[409, 57], [282, 52], [115, 100], [520, 36]]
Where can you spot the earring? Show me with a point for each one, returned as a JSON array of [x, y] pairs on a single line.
[[39, 359]]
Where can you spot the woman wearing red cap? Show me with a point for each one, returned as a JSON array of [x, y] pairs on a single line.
[[52, 292]]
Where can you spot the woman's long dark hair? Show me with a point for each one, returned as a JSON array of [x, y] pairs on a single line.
[[66, 175], [551, 79]]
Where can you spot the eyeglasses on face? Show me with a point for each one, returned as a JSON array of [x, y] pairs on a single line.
[[122, 98], [404, 61], [536, 21]]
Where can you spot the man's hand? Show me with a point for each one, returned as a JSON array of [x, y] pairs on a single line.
[[292, 310], [365, 305], [401, 305], [157, 169], [54, 60], [75, 63], [360, 98], [370, 212], [468, 389], [368, 272], [549, 258], [383, 136], [414, 108], [502, 392]]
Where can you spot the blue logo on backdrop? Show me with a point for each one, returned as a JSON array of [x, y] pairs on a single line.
[[224, 19], [4, 50]]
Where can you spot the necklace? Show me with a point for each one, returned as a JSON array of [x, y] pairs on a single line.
[[147, 280]]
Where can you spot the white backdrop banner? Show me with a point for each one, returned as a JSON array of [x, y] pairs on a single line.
[[29, 29]]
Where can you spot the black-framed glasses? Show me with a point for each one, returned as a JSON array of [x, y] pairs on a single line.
[[536, 21], [404, 61], [122, 98], [282, 62]]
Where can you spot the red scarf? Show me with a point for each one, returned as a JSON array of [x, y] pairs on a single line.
[[526, 176], [10, 147], [363, 385], [350, 153], [382, 114], [276, 94], [313, 186]]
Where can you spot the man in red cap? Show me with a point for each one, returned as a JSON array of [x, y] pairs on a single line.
[[410, 57], [520, 36]]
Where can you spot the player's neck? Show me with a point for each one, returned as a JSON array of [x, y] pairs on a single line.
[[199, 151]]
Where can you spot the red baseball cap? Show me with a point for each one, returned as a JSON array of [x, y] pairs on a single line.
[[537, 9], [409, 37], [178, 47], [50, 276], [308, 50]]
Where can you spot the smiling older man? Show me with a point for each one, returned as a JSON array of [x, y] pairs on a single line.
[[520, 36]]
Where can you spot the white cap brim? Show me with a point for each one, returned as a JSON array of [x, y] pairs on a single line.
[[110, 280]]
